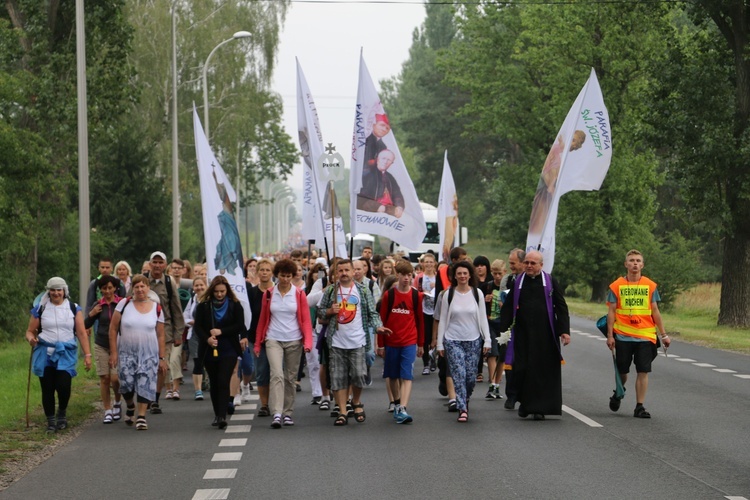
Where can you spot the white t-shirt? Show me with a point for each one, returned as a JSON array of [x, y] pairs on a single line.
[[350, 332], [138, 330], [284, 326], [463, 317]]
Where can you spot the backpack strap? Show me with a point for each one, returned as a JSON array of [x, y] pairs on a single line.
[[391, 298], [473, 290], [371, 285], [72, 305], [122, 311]]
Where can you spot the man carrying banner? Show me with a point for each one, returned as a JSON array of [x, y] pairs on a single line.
[[536, 309], [633, 320]]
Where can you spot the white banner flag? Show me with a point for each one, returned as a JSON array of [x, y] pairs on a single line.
[[447, 211], [383, 198], [334, 226], [311, 145], [223, 248], [577, 161]]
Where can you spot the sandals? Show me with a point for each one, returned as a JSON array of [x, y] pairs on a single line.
[[349, 409], [325, 405], [140, 423], [129, 414], [463, 416], [264, 412], [107, 417], [116, 412], [360, 417], [640, 412], [341, 420]]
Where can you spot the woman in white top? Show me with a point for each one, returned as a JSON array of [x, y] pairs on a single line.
[[54, 325], [199, 287], [136, 345], [285, 328], [463, 333], [425, 283]]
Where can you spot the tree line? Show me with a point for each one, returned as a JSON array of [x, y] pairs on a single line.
[[492, 83], [128, 49]]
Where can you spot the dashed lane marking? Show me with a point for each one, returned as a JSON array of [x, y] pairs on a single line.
[[735, 498], [746, 377], [235, 429], [685, 360], [220, 474], [724, 370], [705, 365], [246, 407], [233, 442], [580, 416], [212, 494], [231, 456], [247, 416]]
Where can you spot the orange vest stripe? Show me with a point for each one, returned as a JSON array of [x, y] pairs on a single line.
[[633, 309]]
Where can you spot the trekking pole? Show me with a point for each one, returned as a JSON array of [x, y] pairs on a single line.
[[28, 387]]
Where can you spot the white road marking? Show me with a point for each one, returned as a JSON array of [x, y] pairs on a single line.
[[234, 429], [705, 365], [247, 416], [724, 370], [213, 494], [232, 456], [575, 331], [743, 376], [233, 442], [735, 498], [220, 474], [673, 355], [685, 360], [583, 418], [246, 407]]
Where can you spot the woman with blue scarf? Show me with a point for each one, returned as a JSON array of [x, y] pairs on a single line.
[[54, 325], [220, 327]]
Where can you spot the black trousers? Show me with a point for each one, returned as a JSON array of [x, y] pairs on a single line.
[[220, 371], [55, 381]]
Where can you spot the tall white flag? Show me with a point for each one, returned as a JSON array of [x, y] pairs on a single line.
[[311, 145], [383, 199], [223, 248], [577, 161], [447, 211], [334, 226]]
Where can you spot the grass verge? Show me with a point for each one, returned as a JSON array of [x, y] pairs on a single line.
[[16, 440]]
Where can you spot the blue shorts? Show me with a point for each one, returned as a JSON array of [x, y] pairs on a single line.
[[246, 364], [262, 369], [399, 362]]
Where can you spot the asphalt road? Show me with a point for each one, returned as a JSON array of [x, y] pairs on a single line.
[[697, 445]]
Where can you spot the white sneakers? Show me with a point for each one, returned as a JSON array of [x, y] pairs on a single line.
[[244, 392]]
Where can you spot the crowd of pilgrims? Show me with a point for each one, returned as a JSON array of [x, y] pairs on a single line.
[[310, 318]]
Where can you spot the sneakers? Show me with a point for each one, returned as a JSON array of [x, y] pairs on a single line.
[[107, 417], [264, 411], [237, 400], [401, 416], [169, 394], [51, 425], [426, 371], [315, 400], [391, 407], [497, 392], [614, 402], [639, 412], [452, 405], [288, 422], [245, 393], [155, 408], [276, 422], [230, 408], [199, 395], [176, 395], [490, 393]]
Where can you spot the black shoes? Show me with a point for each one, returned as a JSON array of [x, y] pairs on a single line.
[[640, 412], [614, 402]]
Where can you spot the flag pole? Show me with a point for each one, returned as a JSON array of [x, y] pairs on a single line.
[[331, 195], [568, 139]]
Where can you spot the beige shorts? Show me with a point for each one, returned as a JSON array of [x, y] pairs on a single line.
[[101, 358]]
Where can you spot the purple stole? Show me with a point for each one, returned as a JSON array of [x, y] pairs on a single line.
[[547, 284]]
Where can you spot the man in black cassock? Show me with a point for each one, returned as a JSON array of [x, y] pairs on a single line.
[[536, 309]]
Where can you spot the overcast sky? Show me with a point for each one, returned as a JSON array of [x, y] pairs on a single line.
[[326, 38]]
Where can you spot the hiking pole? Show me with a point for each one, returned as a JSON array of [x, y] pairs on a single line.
[[28, 387]]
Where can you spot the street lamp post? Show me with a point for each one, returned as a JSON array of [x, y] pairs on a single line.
[[236, 36], [175, 164], [84, 221], [274, 191]]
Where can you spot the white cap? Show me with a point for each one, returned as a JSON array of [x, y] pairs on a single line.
[[158, 254]]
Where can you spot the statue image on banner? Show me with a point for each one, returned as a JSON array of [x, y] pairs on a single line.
[[229, 249]]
